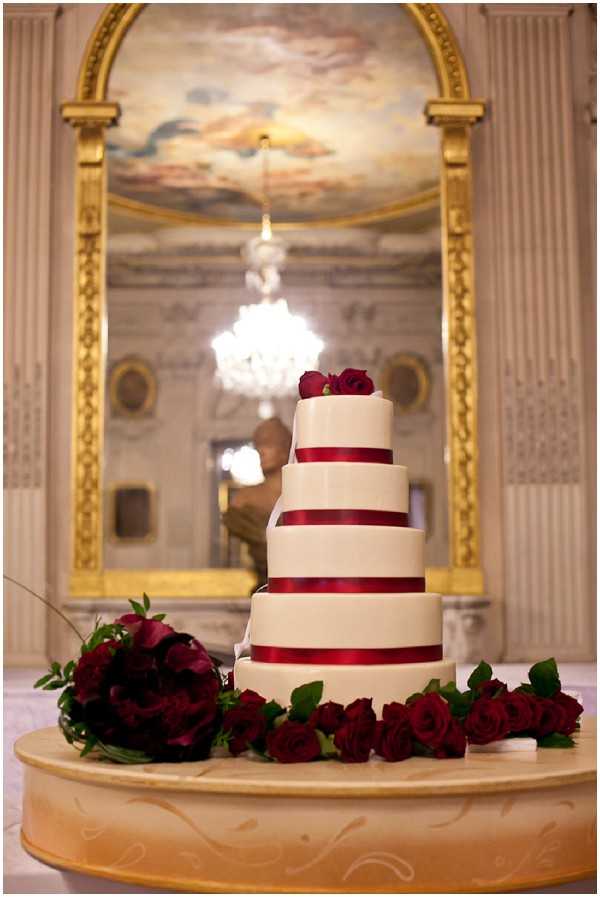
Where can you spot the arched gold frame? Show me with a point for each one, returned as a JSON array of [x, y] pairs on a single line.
[[454, 112]]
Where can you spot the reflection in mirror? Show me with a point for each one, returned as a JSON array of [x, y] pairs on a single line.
[[340, 90]]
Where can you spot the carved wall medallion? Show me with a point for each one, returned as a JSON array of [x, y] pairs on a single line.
[[405, 380], [132, 388]]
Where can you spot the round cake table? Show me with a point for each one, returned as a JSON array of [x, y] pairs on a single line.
[[485, 823]]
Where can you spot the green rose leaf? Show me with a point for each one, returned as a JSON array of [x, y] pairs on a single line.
[[304, 700], [458, 701], [146, 601], [272, 710], [556, 740], [432, 686], [137, 607], [481, 673], [328, 748], [544, 678], [414, 697]]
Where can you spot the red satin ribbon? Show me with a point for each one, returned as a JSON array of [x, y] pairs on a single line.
[[334, 453], [340, 656], [326, 515], [346, 584]]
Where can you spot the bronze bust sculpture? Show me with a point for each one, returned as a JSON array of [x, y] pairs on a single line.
[[248, 513]]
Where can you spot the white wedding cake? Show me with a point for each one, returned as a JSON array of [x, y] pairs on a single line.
[[346, 600]]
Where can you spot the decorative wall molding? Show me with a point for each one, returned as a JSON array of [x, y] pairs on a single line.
[[538, 293], [28, 47]]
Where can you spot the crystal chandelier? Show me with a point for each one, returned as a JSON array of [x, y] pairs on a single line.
[[268, 348]]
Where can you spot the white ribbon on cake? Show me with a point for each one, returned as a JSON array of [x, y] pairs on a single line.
[[244, 645]]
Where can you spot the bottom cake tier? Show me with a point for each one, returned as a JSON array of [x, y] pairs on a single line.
[[343, 683]]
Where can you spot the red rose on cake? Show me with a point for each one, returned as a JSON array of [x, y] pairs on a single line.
[[351, 382], [355, 738], [311, 384]]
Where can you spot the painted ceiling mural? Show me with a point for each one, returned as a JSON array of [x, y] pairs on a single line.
[[340, 89]]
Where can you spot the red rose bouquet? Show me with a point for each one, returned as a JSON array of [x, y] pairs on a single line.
[[351, 382], [141, 692]]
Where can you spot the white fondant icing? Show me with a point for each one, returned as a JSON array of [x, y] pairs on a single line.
[[339, 550], [347, 421], [382, 487], [383, 683], [346, 621]]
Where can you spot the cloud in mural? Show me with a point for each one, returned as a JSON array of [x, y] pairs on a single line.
[[164, 131], [206, 96]]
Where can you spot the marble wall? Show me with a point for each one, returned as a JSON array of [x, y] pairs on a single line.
[[534, 161]]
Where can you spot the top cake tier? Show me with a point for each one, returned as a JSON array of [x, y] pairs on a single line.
[[350, 422]]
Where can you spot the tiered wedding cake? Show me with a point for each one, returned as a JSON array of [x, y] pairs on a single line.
[[346, 599]]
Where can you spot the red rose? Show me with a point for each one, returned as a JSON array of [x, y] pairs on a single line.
[[519, 709], [486, 721], [454, 743], [135, 710], [327, 717], [230, 681], [572, 710], [333, 381], [189, 714], [429, 719], [393, 736], [146, 633], [252, 697], [550, 717], [395, 712], [352, 382], [311, 384], [293, 742], [91, 669], [246, 723], [490, 687], [355, 738], [191, 656], [362, 707]]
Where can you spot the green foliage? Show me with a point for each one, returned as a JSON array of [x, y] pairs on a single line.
[[304, 700], [556, 740], [328, 748], [459, 701], [228, 699], [480, 674], [272, 710], [544, 678]]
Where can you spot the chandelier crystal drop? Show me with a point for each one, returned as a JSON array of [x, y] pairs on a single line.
[[268, 348]]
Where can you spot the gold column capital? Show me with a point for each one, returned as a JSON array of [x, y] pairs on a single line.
[[90, 113], [447, 111]]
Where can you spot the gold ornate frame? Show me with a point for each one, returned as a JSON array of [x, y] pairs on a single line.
[[90, 113], [112, 503], [405, 359], [141, 367]]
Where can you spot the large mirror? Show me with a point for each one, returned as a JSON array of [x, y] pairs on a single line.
[[316, 113]]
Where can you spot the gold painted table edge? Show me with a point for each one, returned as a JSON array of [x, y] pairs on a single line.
[[533, 813]]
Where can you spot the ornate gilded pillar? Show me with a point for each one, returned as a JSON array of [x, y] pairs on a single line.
[[455, 118], [89, 118]]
